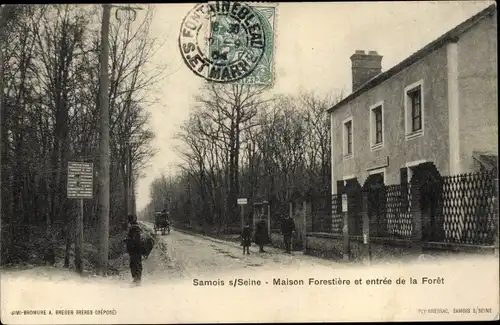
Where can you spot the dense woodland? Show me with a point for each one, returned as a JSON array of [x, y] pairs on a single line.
[[51, 116], [239, 141]]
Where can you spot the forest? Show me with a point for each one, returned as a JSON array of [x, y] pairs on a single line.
[[50, 115], [239, 140], [242, 142]]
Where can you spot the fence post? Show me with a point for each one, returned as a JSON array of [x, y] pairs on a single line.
[[416, 218], [345, 228], [366, 256], [242, 217]]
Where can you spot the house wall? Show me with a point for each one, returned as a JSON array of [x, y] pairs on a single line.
[[478, 91], [432, 145]]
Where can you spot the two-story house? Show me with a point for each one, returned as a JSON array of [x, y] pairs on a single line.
[[439, 106]]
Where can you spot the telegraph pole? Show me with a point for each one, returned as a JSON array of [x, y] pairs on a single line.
[[104, 154], [129, 180], [2, 42], [6, 12], [104, 161]]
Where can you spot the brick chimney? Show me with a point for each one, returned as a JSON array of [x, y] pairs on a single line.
[[364, 67]]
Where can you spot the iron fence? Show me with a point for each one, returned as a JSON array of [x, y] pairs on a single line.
[[397, 221], [468, 208], [321, 214], [454, 209], [337, 218], [460, 209]]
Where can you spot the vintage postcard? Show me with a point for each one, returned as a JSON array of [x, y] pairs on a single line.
[[244, 162]]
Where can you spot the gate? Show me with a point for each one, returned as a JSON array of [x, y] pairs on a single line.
[[430, 181], [354, 205], [376, 194]]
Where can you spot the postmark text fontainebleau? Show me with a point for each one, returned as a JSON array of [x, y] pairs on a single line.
[[225, 41]]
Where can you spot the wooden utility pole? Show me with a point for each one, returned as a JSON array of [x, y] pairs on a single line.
[[242, 217], [129, 180], [2, 23], [79, 239], [80, 187], [104, 160], [5, 14]]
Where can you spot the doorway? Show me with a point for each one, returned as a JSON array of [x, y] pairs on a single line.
[[429, 180], [376, 205]]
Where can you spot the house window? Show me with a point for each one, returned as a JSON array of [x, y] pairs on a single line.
[[348, 138], [414, 109], [377, 126]]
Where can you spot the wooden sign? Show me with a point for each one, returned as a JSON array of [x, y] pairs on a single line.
[[379, 162]]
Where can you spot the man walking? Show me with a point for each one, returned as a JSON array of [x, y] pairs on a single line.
[[287, 229], [261, 235], [134, 248]]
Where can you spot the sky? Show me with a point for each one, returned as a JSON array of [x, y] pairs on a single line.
[[313, 43]]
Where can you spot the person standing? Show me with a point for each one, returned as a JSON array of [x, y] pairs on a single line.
[[246, 239], [287, 229], [134, 248], [261, 234]]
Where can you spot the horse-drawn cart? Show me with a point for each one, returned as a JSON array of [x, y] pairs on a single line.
[[162, 223]]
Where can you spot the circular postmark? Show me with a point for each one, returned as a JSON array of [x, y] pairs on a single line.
[[222, 41]]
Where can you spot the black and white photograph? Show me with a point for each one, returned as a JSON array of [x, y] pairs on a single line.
[[247, 162]]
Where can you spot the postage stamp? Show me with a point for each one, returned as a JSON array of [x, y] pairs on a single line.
[[227, 42], [263, 73]]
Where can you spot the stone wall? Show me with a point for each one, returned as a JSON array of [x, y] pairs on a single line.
[[331, 246]]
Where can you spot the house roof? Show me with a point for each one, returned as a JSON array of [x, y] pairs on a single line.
[[450, 36]]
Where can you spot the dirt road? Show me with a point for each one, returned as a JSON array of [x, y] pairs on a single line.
[[182, 255]]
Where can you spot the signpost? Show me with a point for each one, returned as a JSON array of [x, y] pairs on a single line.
[[268, 205], [344, 202], [345, 229], [242, 202], [80, 186]]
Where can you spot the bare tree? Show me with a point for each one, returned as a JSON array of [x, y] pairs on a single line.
[[50, 93], [230, 108], [318, 140], [281, 145]]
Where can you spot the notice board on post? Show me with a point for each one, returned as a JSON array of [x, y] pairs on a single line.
[[80, 180]]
